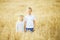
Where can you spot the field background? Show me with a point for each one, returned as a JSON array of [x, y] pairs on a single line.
[[47, 13]]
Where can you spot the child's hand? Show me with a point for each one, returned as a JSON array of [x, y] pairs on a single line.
[[25, 30], [33, 30]]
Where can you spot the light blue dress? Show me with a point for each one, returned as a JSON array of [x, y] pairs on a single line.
[[20, 26]]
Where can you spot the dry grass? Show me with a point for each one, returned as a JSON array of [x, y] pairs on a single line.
[[47, 13]]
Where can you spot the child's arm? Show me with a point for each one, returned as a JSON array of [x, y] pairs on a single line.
[[25, 26], [34, 23]]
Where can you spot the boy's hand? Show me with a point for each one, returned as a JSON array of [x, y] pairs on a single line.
[[33, 30], [25, 30]]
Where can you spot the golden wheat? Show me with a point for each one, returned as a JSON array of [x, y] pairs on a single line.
[[47, 13]]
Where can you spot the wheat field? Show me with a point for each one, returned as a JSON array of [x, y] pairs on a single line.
[[47, 13]]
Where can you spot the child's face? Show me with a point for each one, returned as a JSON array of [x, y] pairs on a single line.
[[21, 18], [29, 11]]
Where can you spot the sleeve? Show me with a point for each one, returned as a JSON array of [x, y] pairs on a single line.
[[34, 18]]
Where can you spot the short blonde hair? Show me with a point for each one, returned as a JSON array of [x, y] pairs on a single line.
[[30, 8], [21, 15]]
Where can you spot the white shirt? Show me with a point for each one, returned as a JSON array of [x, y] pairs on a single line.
[[29, 21], [20, 26]]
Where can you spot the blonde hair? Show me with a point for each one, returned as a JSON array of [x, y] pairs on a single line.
[[30, 8], [20, 16]]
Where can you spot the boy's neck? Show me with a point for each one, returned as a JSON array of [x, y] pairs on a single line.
[[29, 14], [21, 20]]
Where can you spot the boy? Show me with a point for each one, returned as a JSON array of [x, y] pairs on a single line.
[[20, 24], [29, 21]]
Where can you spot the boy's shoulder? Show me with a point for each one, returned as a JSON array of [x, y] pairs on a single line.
[[32, 16], [28, 15]]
